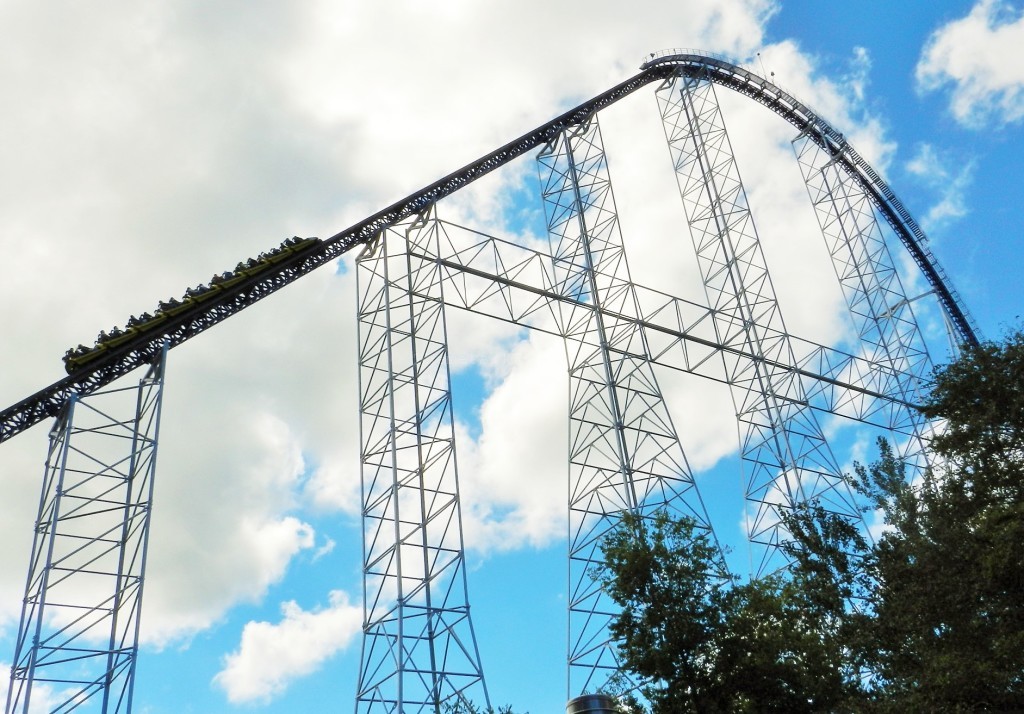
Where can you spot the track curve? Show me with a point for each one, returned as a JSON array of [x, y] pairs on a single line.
[[48, 401], [806, 120]]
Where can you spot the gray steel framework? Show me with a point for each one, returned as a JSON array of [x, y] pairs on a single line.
[[790, 459], [79, 630], [420, 653], [419, 650], [624, 454]]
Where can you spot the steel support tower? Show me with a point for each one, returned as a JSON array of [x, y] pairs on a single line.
[[419, 650], [624, 454], [79, 631]]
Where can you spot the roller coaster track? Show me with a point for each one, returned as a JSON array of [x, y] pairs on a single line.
[[660, 66]]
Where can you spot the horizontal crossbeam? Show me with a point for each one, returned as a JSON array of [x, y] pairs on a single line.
[[653, 323]]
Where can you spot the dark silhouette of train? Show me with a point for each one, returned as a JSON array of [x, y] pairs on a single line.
[[81, 356]]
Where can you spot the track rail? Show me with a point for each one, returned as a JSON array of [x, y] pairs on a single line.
[[660, 66]]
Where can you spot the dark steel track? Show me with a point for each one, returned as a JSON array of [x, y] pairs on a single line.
[[203, 315]]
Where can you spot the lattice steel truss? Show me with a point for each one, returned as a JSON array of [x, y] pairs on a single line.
[[789, 457], [419, 650], [79, 630]]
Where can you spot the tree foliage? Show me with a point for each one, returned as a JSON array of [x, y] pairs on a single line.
[[930, 617], [947, 631], [699, 641]]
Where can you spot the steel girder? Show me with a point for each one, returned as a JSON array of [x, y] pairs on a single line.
[[419, 649], [79, 629]]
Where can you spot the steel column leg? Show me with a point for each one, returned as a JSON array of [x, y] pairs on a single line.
[[79, 630], [419, 649], [624, 453]]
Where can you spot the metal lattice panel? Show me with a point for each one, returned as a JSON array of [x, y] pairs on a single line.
[[490, 276], [79, 630], [419, 650]]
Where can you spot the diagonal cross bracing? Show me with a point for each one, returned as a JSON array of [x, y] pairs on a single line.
[[419, 649], [679, 333], [781, 441]]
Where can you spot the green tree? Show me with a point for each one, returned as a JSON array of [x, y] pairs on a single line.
[[947, 631], [929, 618], [698, 641]]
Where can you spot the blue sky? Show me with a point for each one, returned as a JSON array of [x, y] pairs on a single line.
[[153, 147]]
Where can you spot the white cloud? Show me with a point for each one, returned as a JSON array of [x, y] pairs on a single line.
[[858, 77], [978, 58], [226, 535], [271, 656], [513, 479], [937, 171], [152, 146], [326, 549]]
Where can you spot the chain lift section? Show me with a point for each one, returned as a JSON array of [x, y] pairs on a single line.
[[79, 630], [419, 649], [882, 313], [789, 458], [624, 454]]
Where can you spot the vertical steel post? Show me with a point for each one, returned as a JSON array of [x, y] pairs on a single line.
[[419, 650], [624, 454], [79, 628]]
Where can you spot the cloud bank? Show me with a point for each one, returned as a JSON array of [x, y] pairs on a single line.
[[977, 59]]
